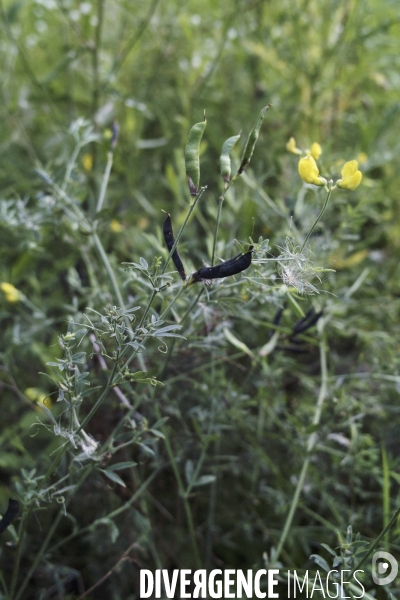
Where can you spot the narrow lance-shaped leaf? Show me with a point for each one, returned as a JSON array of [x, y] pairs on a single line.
[[252, 140], [225, 159], [192, 156]]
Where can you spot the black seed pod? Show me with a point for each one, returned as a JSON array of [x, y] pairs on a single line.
[[306, 322], [10, 514], [233, 266], [170, 241]]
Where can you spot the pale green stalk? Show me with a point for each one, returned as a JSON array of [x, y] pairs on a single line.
[[182, 492], [310, 446], [317, 220], [178, 237], [220, 203], [70, 166], [105, 181], [380, 537]]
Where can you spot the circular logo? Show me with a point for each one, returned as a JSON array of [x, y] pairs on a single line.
[[381, 574]]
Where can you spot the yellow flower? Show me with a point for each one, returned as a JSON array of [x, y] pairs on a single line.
[[308, 171], [11, 293], [115, 226], [87, 161], [351, 176], [291, 146], [362, 158], [316, 151], [38, 396]]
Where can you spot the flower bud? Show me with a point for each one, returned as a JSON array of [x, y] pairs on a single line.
[[316, 151], [291, 146]]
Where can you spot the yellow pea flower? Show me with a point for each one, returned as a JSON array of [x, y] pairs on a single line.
[[351, 176], [291, 146], [11, 293], [309, 172], [316, 151]]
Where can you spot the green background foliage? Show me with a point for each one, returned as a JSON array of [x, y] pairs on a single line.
[[220, 447]]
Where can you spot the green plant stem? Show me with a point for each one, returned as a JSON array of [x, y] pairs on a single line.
[[96, 54], [155, 291], [25, 519], [211, 510], [381, 536], [317, 220], [104, 183], [17, 560], [38, 556], [123, 54], [45, 543], [182, 492], [99, 401], [172, 345], [171, 304], [310, 445], [178, 237], [385, 493], [70, 166], [110, 515], [109, 269], [220, 203]]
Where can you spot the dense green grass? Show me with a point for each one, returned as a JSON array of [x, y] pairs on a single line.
[[256, 449]]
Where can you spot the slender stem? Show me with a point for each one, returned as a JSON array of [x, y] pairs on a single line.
[[172, 345], [182, 493], [4, 586], [310, 445], [99, 401], [146, 312], [96, 54], [110, 515], [25, 520], [220, 203], [18, 554], [109, 269], [178, 237], [123, 54], [377, 541], [155, 291], [38, 556], [170, 305], [70, 166], [318, 219], [142, 320], [96, 89], [104, 183]]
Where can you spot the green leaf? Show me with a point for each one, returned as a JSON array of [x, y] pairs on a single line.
[[121, 465], [113, 476], [321, 562], [237, 343], [204, 480]]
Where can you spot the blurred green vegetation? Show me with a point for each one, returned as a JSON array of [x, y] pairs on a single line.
[[331, 72]]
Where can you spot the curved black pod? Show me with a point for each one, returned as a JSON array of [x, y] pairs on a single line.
[[10, 514], [233, 266], [170, 241]]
